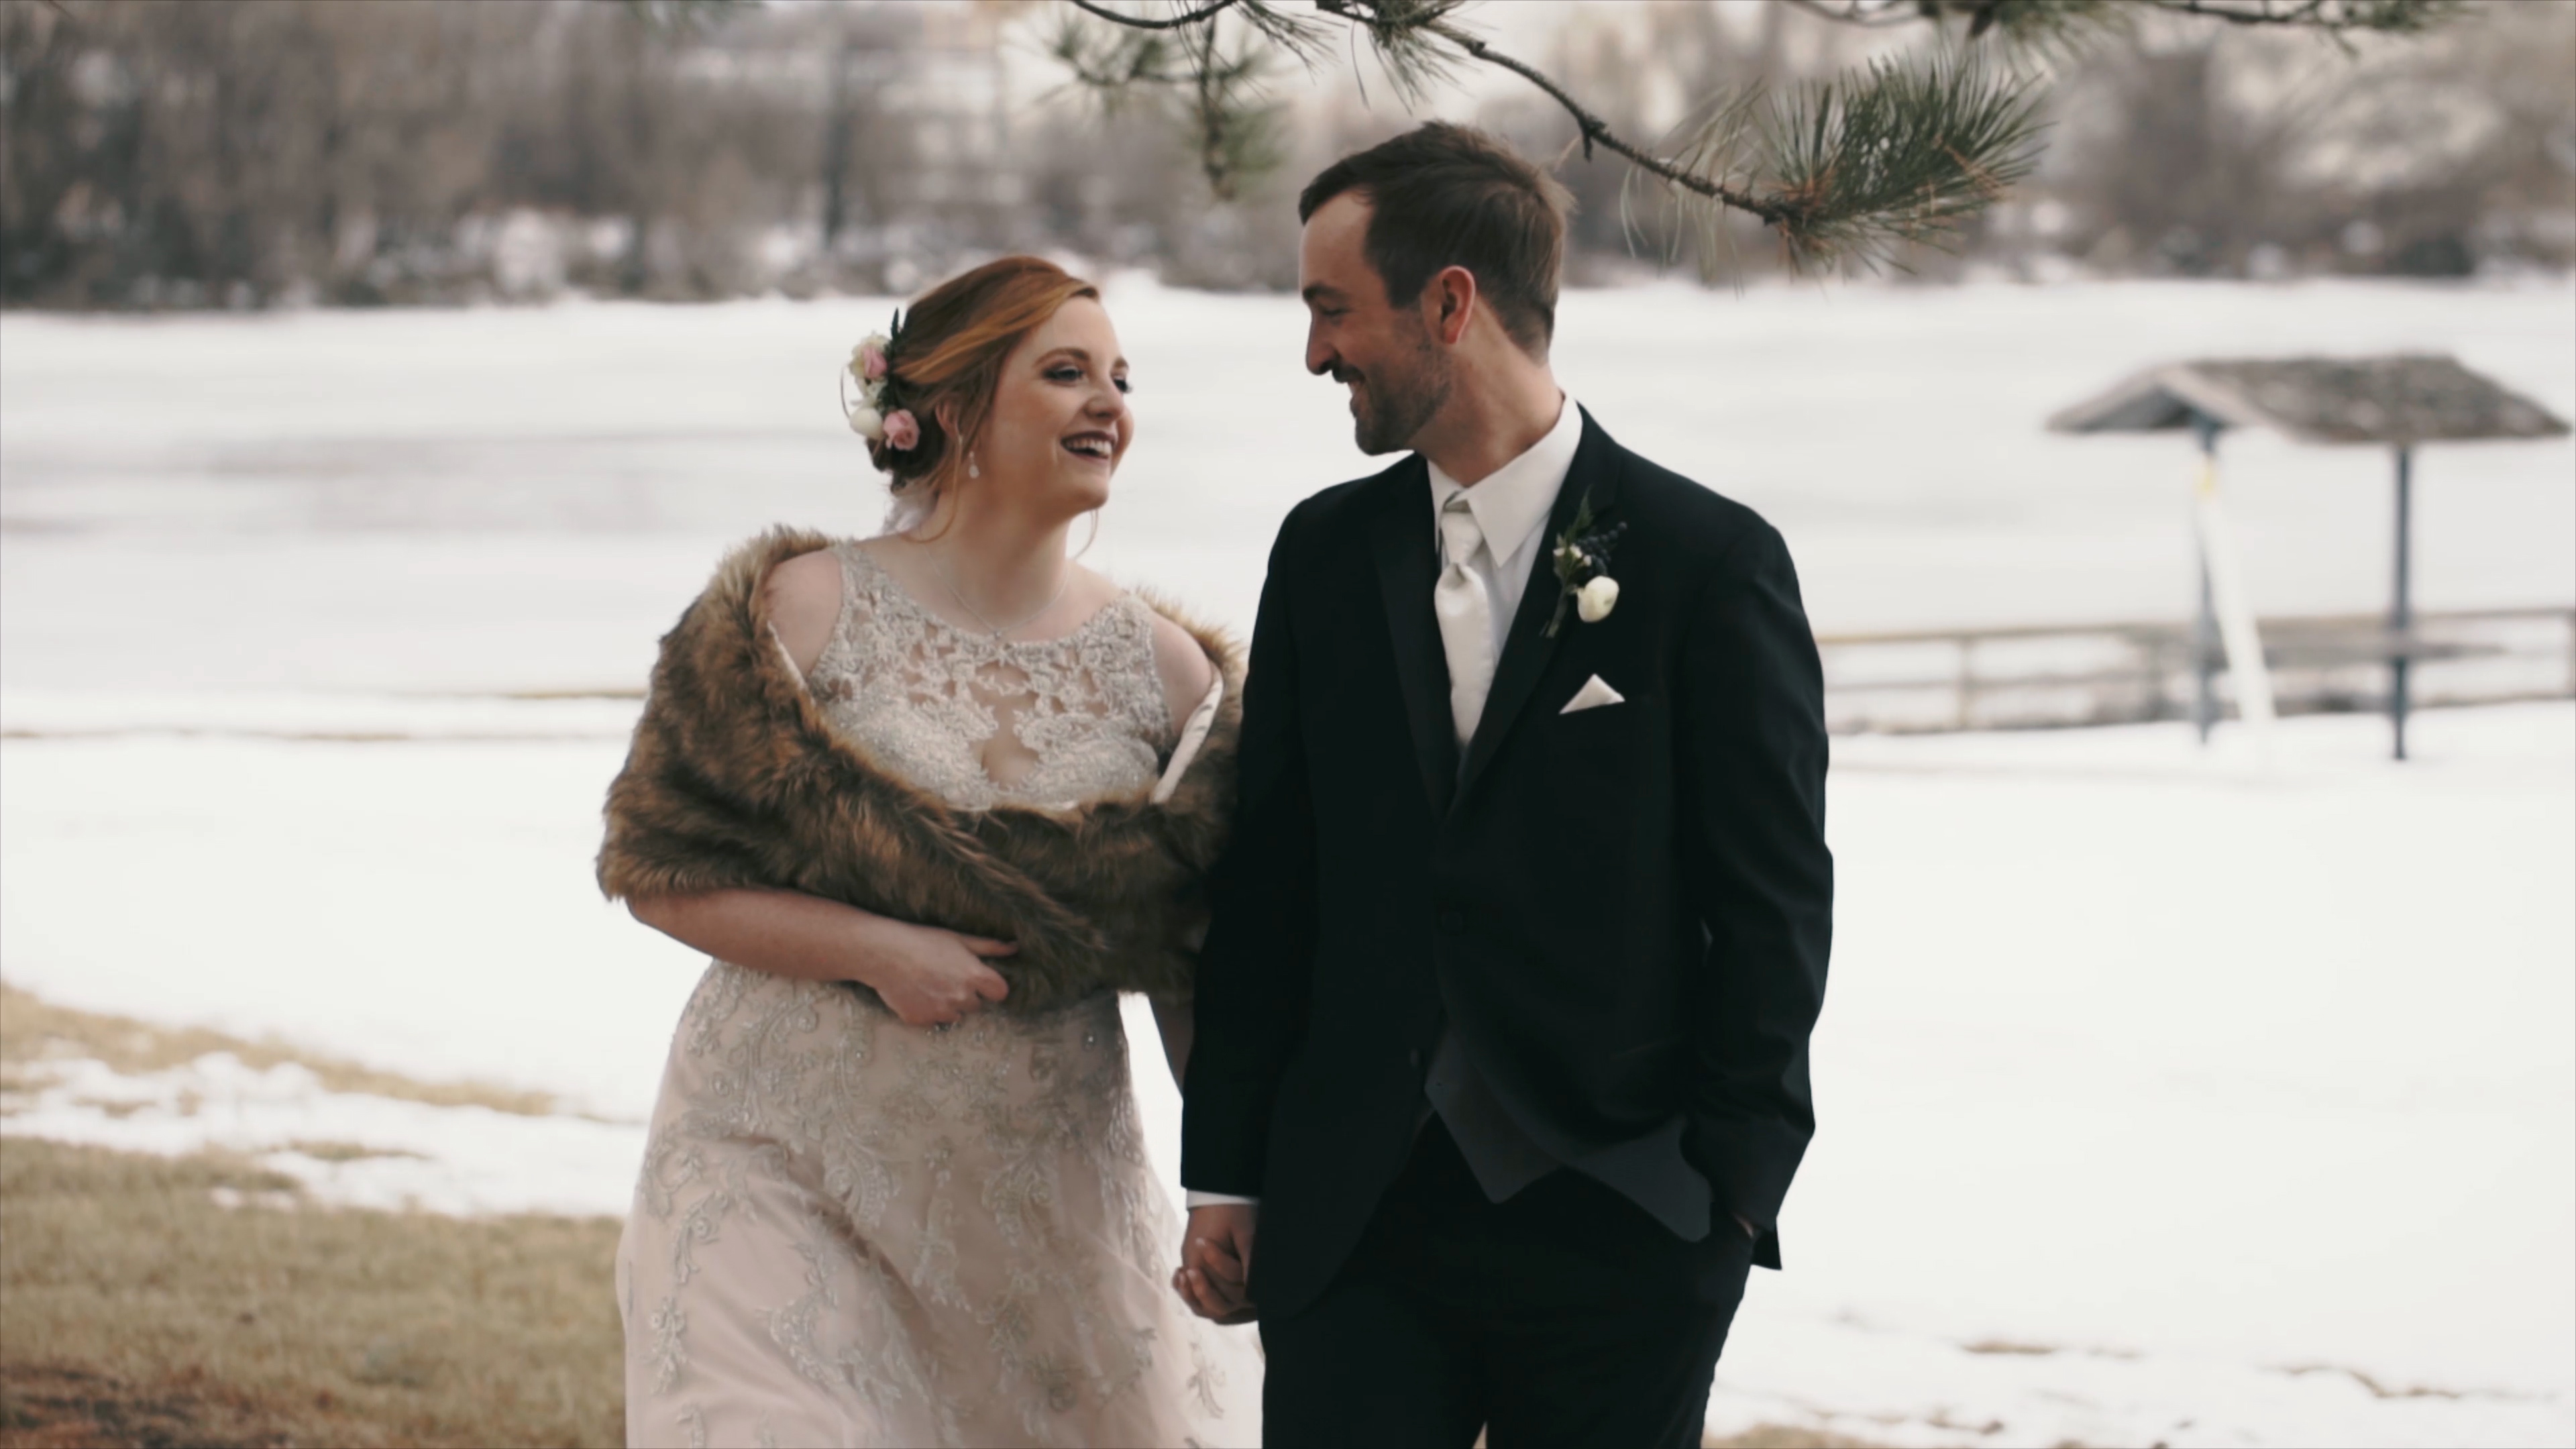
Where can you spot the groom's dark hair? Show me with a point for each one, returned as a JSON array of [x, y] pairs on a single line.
[[1443, 195]]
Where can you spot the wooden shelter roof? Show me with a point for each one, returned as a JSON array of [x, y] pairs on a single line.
[[2402, 399]]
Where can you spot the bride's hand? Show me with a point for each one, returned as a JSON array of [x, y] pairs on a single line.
[[931, 977]]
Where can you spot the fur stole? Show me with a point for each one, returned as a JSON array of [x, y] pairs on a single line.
[[735, 778]]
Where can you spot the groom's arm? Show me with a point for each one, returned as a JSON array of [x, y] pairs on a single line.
[[1255, 972], [1751, 757]]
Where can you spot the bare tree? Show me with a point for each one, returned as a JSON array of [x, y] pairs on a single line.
[[2249, 153]]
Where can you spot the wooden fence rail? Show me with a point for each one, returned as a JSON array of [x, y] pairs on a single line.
[[2047, 676]]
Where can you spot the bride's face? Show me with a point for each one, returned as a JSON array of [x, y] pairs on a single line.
[[1059, 422]]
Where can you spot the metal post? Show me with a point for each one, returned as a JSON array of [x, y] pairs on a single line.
[[1967, 681], [2204, 628], [2401, 604]]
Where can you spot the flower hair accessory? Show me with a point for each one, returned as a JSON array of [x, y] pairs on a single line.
[[872, 370]]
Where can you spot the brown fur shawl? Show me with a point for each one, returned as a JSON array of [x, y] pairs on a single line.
[[736, 779]]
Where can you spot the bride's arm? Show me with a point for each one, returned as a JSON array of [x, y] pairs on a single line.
[[1184, 667], [1187, 678], [928, 976], [1177, 1025]]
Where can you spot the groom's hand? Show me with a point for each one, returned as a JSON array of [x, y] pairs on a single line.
[[1216, 1262]]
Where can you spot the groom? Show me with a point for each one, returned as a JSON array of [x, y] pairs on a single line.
[[1501, 1061]]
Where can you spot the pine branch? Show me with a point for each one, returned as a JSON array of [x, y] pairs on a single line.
[[1854, 168], [1405, 35], [1237, 136], [1901, 156], [1305, 40], [1112, 70], [2056, 21], [1868, 14], [694, 17], [2387, 17], [1215, 93], [1138, 22], [1595, 131]]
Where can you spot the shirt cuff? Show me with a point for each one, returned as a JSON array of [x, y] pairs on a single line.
[[1192, 1197]]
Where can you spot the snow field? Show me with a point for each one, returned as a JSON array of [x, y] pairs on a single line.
[[2229, 1089]]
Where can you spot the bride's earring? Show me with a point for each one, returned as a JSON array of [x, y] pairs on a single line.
[[973, 471]]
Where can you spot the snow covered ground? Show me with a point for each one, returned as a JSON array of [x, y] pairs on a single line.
[[2164, 1097], [2206, 1097], [350, 1148]]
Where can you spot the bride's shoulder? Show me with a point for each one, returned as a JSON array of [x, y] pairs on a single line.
[[1181, 659], [802, 599]]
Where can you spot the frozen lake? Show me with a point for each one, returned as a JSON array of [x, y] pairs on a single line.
[[2162, 1098], [523, 500]]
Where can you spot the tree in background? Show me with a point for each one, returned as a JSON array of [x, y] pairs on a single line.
[[250, 152], [2261, 157], [241, 152]]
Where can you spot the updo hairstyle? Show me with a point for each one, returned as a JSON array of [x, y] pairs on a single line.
[[948, 362]]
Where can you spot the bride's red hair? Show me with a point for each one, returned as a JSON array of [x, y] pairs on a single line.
[[949, 360]]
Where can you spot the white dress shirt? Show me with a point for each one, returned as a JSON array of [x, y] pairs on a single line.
[[1511, 505]]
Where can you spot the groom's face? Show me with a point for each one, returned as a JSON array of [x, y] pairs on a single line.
[[1387, 355]]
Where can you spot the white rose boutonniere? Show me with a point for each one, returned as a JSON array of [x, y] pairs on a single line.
[[1594, 601], [1582, 558]]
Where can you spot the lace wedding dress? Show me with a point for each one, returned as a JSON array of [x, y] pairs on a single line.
[[849, 1231]]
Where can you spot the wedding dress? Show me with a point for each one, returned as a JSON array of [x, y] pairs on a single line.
[[849, 1231]]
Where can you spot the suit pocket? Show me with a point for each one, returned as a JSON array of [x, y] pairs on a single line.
[[1591, 728]]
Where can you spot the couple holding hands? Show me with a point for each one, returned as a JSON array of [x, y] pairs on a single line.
[[1484, 909]]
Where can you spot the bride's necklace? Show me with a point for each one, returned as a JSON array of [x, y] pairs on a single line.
[[999, 630]]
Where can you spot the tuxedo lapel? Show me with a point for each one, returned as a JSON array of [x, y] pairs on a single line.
[[1527, 649], [1408, 568]]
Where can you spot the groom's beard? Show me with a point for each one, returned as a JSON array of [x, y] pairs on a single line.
[[1392, 404]]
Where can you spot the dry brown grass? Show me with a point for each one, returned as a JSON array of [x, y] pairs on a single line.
[[34, 1030], [134, 1310]]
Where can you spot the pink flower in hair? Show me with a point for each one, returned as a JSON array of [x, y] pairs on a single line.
[[902, 430], [868, 359]]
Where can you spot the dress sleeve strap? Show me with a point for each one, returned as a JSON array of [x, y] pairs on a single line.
[[1193, 735]]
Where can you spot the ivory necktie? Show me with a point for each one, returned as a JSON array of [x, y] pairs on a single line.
[[1466, 614], [1497, 1151]]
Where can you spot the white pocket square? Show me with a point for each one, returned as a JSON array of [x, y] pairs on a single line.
[[1593, 695]]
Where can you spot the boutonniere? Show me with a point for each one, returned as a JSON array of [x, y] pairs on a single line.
[[1582, 559]]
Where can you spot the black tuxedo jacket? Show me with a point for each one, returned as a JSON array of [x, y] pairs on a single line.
[[1624, 911]]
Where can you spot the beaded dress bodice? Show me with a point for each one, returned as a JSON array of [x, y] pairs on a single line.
[[1084, 714]]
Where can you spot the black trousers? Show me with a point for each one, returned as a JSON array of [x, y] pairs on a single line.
[[1564, 1316]]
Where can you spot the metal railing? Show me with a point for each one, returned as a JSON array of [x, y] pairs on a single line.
[[2053, 676]]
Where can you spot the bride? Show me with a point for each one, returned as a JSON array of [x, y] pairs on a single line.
[[929, 799]]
